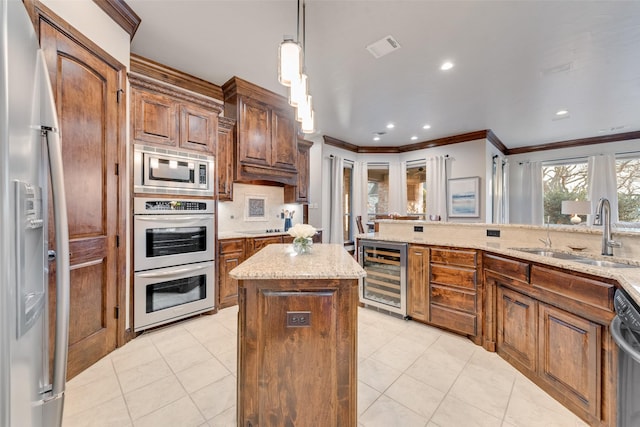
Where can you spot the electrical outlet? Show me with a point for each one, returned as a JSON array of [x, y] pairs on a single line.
[[493, 233]]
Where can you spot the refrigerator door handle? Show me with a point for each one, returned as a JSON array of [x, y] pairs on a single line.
[[51, 135]]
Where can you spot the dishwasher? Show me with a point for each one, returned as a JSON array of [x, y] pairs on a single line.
[[625, 329]]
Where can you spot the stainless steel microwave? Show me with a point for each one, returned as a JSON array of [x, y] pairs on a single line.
[[166, 171]]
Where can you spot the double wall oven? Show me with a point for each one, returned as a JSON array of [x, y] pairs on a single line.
[[173, 243]]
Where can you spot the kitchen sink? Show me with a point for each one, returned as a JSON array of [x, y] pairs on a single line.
[[572, 257], [604, 263], [549, 253]]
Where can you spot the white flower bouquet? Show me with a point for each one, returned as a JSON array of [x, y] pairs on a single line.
[[302, 234]]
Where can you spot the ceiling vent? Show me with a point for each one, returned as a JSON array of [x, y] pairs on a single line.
[[383, 46]]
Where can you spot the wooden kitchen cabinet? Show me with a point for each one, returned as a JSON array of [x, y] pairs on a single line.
[[257, 243], [224, 158], [167, 115], [265, 142], [517, 323], [230, 254], [552, 325], [418, 282], [299, 193], [569, 357], [453, 291]]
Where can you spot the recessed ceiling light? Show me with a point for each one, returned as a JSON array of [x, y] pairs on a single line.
[[447, 65], [390, 126], [562, 112], [426, 127], [376, 138], [413, 138]]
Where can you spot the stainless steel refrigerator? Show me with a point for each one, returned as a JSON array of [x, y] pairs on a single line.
[[31, 391]]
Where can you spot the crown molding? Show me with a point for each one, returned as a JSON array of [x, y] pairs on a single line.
[[122, 14]]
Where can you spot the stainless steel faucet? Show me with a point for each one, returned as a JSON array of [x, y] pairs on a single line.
[[547, 241], [603, 217]]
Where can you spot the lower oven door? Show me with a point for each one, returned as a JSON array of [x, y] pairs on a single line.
[[167, 294], [162, 240]]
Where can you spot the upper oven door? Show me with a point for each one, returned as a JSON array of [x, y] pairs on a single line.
[[166, 240]]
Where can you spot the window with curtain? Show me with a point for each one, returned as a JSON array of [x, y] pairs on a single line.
[[347, 194], [563, 181], [377, 189], [417, 188], [628, 183]]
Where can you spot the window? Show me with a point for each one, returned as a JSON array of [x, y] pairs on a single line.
[[417, 188], [347, 191], [628, 179], [566, 181], [377, 189]]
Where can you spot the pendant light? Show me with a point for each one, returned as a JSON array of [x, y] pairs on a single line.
[[289, 63], [292, 73]]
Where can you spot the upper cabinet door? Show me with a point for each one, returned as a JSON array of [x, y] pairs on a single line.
[[198, 128], [284, 148], [154, 118], [254, 135]]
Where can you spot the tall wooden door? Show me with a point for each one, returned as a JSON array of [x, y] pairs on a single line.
[[86, 90]]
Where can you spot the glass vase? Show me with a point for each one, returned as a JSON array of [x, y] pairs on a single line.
[[302, 245]]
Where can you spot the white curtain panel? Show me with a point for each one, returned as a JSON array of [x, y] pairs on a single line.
[[403, 188], [437, 186], [500, 169], [532, 208], [395, 193], [601, 181], [336, 225], [505, 191], [360, 196]]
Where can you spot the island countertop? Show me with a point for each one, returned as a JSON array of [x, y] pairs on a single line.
[[279, 261]]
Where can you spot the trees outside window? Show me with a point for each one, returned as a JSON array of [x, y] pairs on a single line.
[[560, 182], [377, 189], [347, 191], [628, 180], [417, 189]]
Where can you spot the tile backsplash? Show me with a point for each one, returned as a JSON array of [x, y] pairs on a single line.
[[232, 216]]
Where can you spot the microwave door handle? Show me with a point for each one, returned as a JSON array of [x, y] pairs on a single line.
[[172, 273]]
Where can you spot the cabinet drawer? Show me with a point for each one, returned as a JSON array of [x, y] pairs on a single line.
[[454, 257], [507, 267], [586, 291], [456, 299], [454, 320], [454, 276], [231, 245]]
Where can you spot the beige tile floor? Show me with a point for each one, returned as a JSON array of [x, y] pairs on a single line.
[[409, 375]]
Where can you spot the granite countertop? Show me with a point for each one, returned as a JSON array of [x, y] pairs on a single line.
[[256, 233], [279, 261], [628, 278]]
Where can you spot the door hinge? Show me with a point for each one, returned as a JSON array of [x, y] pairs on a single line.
[[117, 168], [116, 312], [119, 93], [117, 240]]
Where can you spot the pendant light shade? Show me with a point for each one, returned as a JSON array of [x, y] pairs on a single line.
[[304, 109], [289, 63], [308, 124], [299, 91]]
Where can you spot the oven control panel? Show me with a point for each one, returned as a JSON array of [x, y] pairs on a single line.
[[150, 206]]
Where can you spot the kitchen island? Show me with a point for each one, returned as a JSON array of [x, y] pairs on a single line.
[[297, 337]]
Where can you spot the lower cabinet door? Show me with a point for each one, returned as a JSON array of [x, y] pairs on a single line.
[[517, 319], [569, 356]]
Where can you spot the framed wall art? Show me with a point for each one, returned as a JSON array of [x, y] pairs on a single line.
[[463, 197], [255, 208]]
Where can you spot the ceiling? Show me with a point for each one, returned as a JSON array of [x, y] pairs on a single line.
[[516, 63]]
